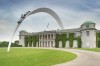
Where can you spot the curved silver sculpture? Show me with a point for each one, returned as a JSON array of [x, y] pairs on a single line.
[[46, 10]]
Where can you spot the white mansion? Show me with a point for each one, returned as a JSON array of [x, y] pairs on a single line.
[[86, 32]]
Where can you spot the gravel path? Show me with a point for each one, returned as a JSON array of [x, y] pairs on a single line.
[[85, 58]]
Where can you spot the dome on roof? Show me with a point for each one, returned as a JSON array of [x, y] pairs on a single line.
[[23, 31], [88, 22]]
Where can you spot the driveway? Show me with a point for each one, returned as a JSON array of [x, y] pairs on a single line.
[[85, 58]]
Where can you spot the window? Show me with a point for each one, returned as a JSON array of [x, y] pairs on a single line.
[[67, 35], [94, 25], [40, 36], [87, 26], [40, 42], [20, 37], [51, 36], [51, 43], [45, 36], [43, 44], [87, 33], [48, 36], [74, 34], [59, 36]]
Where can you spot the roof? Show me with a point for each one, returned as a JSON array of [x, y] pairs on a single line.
[[70, 30], [88, 22], [23, 31], [51, 31]]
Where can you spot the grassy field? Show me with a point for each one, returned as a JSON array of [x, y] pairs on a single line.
[[33, 57], [91, 49]]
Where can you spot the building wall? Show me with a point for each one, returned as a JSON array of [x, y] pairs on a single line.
[[47, 38], [88, 41], [22, 38], [88, 35]]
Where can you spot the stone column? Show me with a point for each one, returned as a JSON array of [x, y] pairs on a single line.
[[32, 44], [36, 44], [48, 43], [53, 43], [41, 36], [47, 36], [41, 44], [45, 44], [28, 44], [53, 36]]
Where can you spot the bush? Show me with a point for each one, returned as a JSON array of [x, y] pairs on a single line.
[[4, 44], [15, 45]]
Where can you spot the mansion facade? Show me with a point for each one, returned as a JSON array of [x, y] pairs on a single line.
[[82, 37]]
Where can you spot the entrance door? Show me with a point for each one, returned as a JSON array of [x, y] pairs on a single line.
[[87, 44], [67, 44], [75, 45], [60, 44]]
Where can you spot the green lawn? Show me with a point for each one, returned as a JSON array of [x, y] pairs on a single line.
[[33, 57], [91, 49]]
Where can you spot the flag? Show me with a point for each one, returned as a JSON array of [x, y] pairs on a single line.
[[47, 25]]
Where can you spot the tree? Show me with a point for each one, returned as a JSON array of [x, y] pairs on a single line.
[[4, 44]]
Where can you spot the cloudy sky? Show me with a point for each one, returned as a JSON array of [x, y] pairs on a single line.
[[71, 12]]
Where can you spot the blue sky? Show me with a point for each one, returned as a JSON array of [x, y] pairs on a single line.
[[72, 13]]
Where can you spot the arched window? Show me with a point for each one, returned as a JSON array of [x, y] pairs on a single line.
[[67, 35], [87, 26], [74, 34], [51, 36], [87, 33], [48, 36]]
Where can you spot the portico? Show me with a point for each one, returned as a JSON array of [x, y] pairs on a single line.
[[47, 39]]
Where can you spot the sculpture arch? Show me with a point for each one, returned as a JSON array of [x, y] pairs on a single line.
[[51, 12], [46, 10]]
